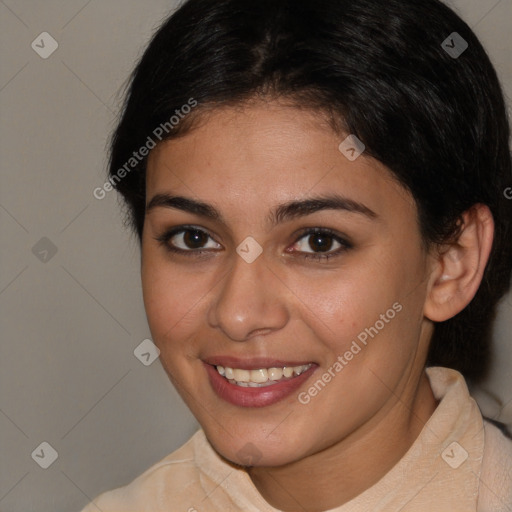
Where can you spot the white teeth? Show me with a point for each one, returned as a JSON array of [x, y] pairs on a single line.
[[241, 375], [288, 371], [259, 376], [275, 373], [262, 376], [297, 370]]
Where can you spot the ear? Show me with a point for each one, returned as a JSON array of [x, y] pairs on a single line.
[[458, 266]]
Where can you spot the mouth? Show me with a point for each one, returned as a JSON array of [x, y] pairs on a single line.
[[256, 383], [261, 377]]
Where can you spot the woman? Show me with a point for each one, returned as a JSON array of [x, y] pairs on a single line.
[[319, 192]]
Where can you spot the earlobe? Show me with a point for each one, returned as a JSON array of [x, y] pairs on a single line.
[[458, 267]]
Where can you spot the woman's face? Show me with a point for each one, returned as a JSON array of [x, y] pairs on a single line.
[[267, 252]]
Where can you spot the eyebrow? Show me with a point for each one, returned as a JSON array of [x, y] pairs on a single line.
[[282, 213]]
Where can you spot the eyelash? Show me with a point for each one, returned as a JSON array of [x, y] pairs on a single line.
[[164, 239]]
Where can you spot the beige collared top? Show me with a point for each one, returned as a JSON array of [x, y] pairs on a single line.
[[458, 463]]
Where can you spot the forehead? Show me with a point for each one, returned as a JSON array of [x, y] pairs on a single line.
[[266, 154]]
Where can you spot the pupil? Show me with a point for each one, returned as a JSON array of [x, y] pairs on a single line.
[[194, 239], [320, 243]]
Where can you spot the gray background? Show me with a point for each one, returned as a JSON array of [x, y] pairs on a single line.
[[71, 320]]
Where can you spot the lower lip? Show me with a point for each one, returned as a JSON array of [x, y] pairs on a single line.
[[254, 397]]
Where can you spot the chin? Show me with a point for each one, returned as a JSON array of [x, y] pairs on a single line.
[[258, 450]]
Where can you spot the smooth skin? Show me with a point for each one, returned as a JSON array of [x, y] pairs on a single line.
[[245, 162]]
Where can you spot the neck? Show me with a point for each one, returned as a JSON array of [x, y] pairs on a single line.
[[336, 475]]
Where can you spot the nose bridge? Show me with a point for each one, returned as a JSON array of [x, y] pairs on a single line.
[[247, 302]]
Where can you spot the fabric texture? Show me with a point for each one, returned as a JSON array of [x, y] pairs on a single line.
[[458, 463]]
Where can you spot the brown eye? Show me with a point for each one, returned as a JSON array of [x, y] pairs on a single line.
[[320, 242], [195, 239], [190, 240]]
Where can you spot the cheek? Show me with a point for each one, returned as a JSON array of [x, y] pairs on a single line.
[[368, 312], [342, 304], [172, 299]]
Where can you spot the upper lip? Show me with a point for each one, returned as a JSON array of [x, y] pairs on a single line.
[[253, 363]]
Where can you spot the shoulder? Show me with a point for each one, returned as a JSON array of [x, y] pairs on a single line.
[[495, 489], [151, 488]]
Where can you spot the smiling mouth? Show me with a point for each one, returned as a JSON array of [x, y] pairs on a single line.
[[261, 377]]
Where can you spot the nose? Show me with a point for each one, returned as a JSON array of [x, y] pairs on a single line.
[[250, 301]]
